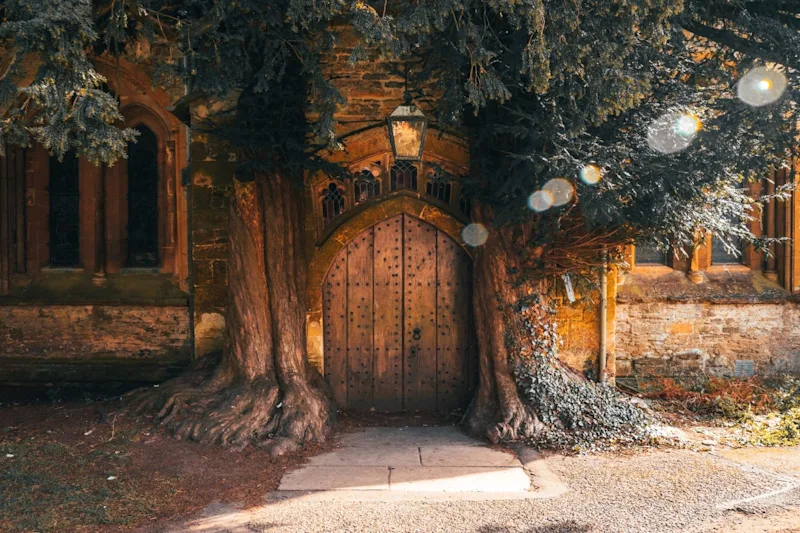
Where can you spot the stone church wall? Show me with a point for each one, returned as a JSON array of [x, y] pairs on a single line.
[[105, 316], [668, 326], [675, 338], [95, 343], [212, 175]]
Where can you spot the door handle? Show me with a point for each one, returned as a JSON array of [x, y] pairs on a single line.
[[417, 334]]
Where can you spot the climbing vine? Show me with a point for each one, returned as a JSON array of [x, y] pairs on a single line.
[[576, 413]]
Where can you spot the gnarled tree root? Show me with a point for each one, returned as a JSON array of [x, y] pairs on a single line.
[[214, 411], [510, 421]]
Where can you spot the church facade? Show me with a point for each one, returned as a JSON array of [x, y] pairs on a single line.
[[119, 274]]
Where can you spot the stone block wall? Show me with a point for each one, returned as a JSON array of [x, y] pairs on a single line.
[[578, 327], [373, 87], [93, 342], [664, 338], [212, 175]]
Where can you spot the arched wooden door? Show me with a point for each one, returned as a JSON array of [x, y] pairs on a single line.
[[397, 315]]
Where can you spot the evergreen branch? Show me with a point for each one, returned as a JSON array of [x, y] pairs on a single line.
[[733, 41]]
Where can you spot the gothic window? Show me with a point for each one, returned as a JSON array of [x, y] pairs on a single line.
[[403, 176], [721, 256], [64, 211], [332, 203], [143, 200], [438, 186], [650, 254], [366, 186]]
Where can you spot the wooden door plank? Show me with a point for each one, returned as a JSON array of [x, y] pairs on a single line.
[[419, 324], [388, 307], [334, 320], [452, 324], [360, 321]]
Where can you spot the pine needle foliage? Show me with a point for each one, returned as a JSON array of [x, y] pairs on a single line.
[[543, 87]]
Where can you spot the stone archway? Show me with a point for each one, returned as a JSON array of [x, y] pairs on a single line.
[[448, 382]]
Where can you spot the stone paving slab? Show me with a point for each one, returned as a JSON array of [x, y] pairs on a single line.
[[410, 460], [384, 456], [412, 436], [459, 479], [398, 496], [362, 478], [451, 455]]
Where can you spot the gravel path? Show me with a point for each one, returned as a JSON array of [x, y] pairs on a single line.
[[664, 491]]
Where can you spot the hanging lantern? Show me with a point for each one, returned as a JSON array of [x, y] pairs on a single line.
[[407, 128]]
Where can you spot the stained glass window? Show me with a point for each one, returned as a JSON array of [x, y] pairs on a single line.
[[438, 187], [650, 254], [465, 206], [721, 256]]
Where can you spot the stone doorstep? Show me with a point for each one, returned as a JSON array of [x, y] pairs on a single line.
[[324, 478], [465, 456], [383, 457], [404, 455], [407, 479], [459, 479], [381, 464], [409, 436]]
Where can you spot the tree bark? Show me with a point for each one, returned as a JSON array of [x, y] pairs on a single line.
[[307, 406], [497, 412], [263, 390], [524, 390]]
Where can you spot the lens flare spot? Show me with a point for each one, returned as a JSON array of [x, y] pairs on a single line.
[[560, 189], [475, 234], [540, 201], [761, 86], [591, 174], [673, 132], [688, 125]]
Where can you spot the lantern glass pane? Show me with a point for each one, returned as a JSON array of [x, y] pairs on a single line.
[[407, 136]]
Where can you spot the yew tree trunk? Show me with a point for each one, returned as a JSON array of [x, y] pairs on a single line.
[[497, 412], [524, 390], [263, 390]]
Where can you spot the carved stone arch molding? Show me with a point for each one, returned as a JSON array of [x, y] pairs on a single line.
[[375, 176]]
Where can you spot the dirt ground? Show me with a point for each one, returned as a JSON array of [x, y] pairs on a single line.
[[78, 466]]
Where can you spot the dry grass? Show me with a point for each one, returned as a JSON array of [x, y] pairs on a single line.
[[714, 396], [62, 455], [47, 485], [766, 411]]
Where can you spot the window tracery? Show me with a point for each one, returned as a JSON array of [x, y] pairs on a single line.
[[332, 203], [403, 175]]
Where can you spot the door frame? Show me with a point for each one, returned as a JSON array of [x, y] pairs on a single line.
[[341, 237]]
